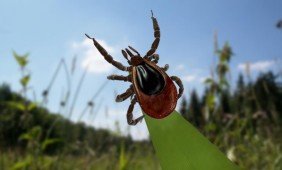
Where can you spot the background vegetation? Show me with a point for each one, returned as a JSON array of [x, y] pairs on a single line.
[[243, 121]]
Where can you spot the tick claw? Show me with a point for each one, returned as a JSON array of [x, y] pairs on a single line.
[[88, 36], [119, 99]]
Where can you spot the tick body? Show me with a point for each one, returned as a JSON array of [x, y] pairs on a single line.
[[150, 86], [154, 89]]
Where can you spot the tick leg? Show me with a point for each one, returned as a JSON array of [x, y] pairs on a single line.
[[125, 95], [157, 35], [129, 52], [107, 56], [165, 68], [180, 85], [126, 56], [119, 77], [155, 58], [129, 115], [134, 50]]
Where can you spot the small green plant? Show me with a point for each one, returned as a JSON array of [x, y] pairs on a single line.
[[26, 107], [35, 148]]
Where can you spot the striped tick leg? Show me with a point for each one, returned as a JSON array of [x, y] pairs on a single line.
[[129, 115], [180, 85], [107, 56], [157, 35], [122, 97], [119, 77]]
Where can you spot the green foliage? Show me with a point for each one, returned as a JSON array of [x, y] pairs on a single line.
[[24, 80], [47, 142], [32, 135], [11, 129], [22, 60], [123, 159], [245, 122], [24, 164], [17, 105], [219, 82], [139, 161]]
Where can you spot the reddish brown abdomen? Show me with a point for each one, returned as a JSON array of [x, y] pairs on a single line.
[[157, 105]]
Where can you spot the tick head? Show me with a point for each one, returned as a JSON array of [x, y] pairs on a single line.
[[136, 60]]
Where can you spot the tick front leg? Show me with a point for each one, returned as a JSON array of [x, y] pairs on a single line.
[[157, 35], [125, 95], [119, 77], [180, 85], [107, 56], [129, 115]]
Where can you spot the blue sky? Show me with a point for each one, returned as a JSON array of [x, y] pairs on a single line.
[[51, 30]]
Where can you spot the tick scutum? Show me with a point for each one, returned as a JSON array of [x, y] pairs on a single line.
[[149, 80]]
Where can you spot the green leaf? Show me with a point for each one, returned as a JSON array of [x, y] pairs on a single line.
[[48, 142], [224, 83], [25, 80], [25, 136], [179, 145], [123, 161], [31, 106], [208, 81], [18, 105], [226, 53], [210, 101], [32, 134], [22, 60], [23, 164]]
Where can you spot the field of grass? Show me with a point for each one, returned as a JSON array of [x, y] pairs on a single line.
[[111, 160]]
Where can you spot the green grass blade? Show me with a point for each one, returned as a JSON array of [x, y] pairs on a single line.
[[179, 146]]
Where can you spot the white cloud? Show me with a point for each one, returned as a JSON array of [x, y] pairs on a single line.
[[256, 66], [203, 79], [180, 67], [189, 78], [93, 61]]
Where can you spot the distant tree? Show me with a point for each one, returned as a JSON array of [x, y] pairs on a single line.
[[225, 102], [269, 95], [74, 137], [195, 113], [241, 83], [184, 108], [239, 95], [5, 92]]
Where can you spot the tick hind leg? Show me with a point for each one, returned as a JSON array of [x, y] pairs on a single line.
[[129, 115], [180, 85], [107, 56], [157, 35], [129, 92], [119, 77]]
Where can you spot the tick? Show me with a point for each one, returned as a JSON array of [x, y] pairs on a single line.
[[150, 86]]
